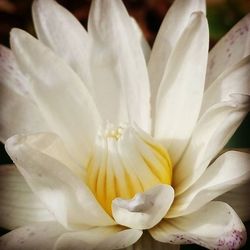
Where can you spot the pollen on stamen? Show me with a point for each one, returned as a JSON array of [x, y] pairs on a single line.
[[112, 132]]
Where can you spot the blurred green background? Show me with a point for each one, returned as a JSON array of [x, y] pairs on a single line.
[[222, 15]]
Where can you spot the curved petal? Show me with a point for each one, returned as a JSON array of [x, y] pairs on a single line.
[[39, 236], [230, 170], [234, 80], [57, 28], [215, 226], [231, 49], [59, 94], [19, 206], [143, 41], [64, 193], [146, 242], [118, 64], [145, 210], [238, 199], [18, 114], [181, 90], [99, 238], [167, 38], [211, 134]]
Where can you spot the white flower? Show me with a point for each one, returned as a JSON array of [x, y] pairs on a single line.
[[114, 139]]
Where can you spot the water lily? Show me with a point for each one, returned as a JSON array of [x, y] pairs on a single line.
[[116, 145]]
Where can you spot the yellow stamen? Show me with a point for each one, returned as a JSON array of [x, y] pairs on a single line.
[[126, 162]]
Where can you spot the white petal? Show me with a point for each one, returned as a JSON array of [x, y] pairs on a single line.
[[229, 171], [39, 236], [19, 206], [144, 43], [231, 49], [59, 94], [215, 226], [99, 238], [238, 199], [17, 112], [168, 37], [118, 64], [57, 28], [146, 242], [63, 192], [212, 132], [180, 93], [234, 80], [145, 210]]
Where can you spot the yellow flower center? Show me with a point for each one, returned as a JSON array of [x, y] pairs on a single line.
[[126, 161]]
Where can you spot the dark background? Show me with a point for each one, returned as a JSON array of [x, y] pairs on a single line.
[[222, 15]]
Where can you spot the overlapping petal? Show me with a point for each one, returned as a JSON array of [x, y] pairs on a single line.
[[17, 111], [238, 199], [40, 236], [230, 170], [55, 24], [215, 226], [99, 238], [59, 94], [180, 93], [233, 81], [212, 132], [19, 206], [168, 37], [62, 191], [121, 82]]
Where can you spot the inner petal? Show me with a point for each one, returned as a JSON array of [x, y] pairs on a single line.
[[126, 161]]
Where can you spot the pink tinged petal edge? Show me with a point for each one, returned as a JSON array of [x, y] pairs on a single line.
[[119, 67], [212, 132], [229, 171], [18, 113], [61, 96], [39, 236], [180, 94], [19, 206], [65, 194], [167, 38], [231, 49], [215, 226]]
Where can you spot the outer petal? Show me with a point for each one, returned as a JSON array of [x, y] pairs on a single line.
[[146, 242], [63, 192], [100, 238], [62, 32], [234, 80], [59, 94], [39, 236], [231, 49], [211, 134], [238, 198], [145, 210], [215, 226], [168, 37], [19, 206], [18, 114], [229, 171], [143, 41], [118, 64], [180, 93]]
